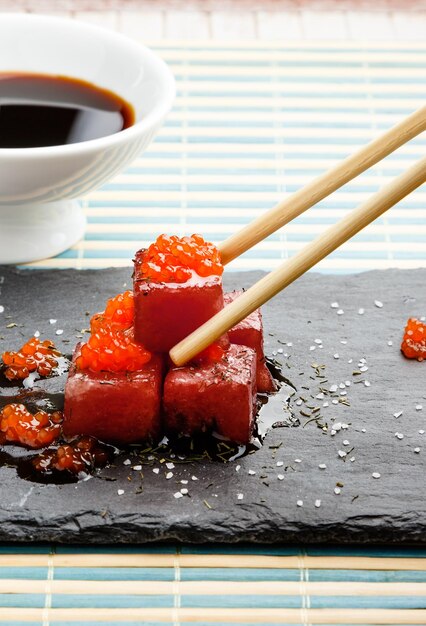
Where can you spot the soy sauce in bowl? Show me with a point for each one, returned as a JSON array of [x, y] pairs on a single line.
[[39, 110]]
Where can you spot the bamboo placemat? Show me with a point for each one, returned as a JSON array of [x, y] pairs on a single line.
[[253, 122], [48, 585]]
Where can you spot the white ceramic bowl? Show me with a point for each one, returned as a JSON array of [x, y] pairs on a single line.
[[38, 216]]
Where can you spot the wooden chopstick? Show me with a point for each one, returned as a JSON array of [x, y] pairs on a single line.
[[323, 186], [297, 265]]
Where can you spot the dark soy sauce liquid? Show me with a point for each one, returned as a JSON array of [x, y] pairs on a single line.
[[38, 110]]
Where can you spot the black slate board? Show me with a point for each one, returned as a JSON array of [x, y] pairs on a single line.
[[391, 508]]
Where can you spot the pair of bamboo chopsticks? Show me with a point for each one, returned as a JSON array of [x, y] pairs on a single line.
[[320, 247]]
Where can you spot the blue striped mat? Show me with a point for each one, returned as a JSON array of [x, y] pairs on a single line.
[[244, 584]]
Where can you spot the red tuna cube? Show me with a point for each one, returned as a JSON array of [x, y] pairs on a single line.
[[221, 396], [165, 313], [120, 407], [249, 332]]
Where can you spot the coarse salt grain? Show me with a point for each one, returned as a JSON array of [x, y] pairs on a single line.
[[318, 341], [238, 467], [280, 476], [1, 309], [361, 311], [312, 348], [345, 442], [333, 388], [419, 407], [337, 490], [334, 305], [322, 466], [137, 468], [59, 331], [194, 478], [390, 343], [320, 396], [297, 460], [325, 404], [178, 495], [280, 463], [251, 472], [184, 491], [336, 356], [37, 334], [298, 402], [183, 482], [299, 503], [317, 503], [367, 383], [378, 304], [341, 453], [375, 475], [398, 414], [169, 475], [399, 435], [240, 496], [417, 450], [120, 492], [156, 470], [127, 462], [421, 432], [340, 312], [170, 466]]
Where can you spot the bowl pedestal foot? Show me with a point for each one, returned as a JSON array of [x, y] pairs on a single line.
[[34, 232]]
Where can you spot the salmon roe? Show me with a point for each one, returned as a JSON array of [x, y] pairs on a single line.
[[111, 346], [34, 356], [38, 430], [119, 313], [212, 354], [173, 259], [81, 456], [414, 341], [112, 351]]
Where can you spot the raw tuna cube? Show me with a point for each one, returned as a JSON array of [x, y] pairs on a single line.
[[121, 407], [249, 332], [220, 395], [165, 313]]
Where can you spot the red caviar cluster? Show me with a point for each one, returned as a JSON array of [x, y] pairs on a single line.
[[212, 354], [111, 346], [173, 259], [112, 351], [414, 341], [119, 313], [18, 425], [76, 457], [35, 355]]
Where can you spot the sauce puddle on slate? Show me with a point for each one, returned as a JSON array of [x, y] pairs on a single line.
[[273, 412]]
